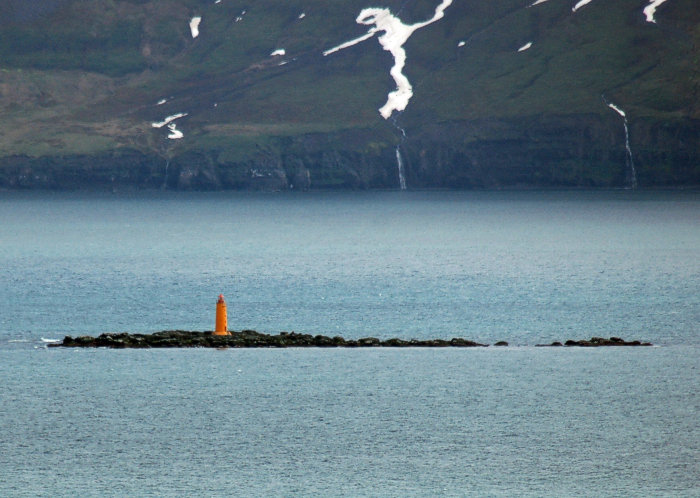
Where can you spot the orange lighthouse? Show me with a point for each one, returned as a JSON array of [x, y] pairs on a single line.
[[221, 319]]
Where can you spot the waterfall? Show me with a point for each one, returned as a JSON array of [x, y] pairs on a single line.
[[399, 159], [631, 171], [165, 179], [402, 175], [630, 161]]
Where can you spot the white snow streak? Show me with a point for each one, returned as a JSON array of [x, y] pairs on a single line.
[[396, 33], [169, 120], [580, 4], [350, 43], [525, 47], [279, 51], [650, 9], [617, 109], [194, 26], [175, 134]]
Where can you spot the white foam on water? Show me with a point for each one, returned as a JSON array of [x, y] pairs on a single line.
[[194, 26], [161, 101], [650, 10], [461, 43], [169, 120], [302, 15], [50, 341], [525, 47], [279, 51], [396, 33], [217, 1], [580, 4], [537, 3]]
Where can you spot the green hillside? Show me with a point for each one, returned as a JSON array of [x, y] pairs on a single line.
[[80, 84]]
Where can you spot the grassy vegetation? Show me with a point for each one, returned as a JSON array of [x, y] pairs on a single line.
[[112, 50], [240, 101]]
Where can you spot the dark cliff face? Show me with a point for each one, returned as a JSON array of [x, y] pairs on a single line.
[[538, 152], [27, 11], [554, 151]]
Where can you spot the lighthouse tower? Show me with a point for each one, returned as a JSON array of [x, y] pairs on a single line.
[[221, 319]]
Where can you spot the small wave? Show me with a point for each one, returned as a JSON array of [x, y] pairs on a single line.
[[43, 339], [18, 340]]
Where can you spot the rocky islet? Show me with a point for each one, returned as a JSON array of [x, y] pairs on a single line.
[[253, 339]]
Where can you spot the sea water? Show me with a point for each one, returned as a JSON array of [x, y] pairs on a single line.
[[525, 267]]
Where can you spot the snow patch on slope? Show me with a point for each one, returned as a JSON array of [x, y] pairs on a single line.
[[174, 134], [350, 43], [169, 120], [396, 33], [650, 9], [617, 109], [194, 26], [580, 4]]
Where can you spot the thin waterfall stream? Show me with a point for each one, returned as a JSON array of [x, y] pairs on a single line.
[[402, 173], [631, 171]]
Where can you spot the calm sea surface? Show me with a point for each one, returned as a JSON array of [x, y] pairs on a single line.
[[525, 267]]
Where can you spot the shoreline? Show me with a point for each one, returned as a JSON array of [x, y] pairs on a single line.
[[253, 339], [130, 189]]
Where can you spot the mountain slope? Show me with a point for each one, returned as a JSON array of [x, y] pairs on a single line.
[[503, 94]]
